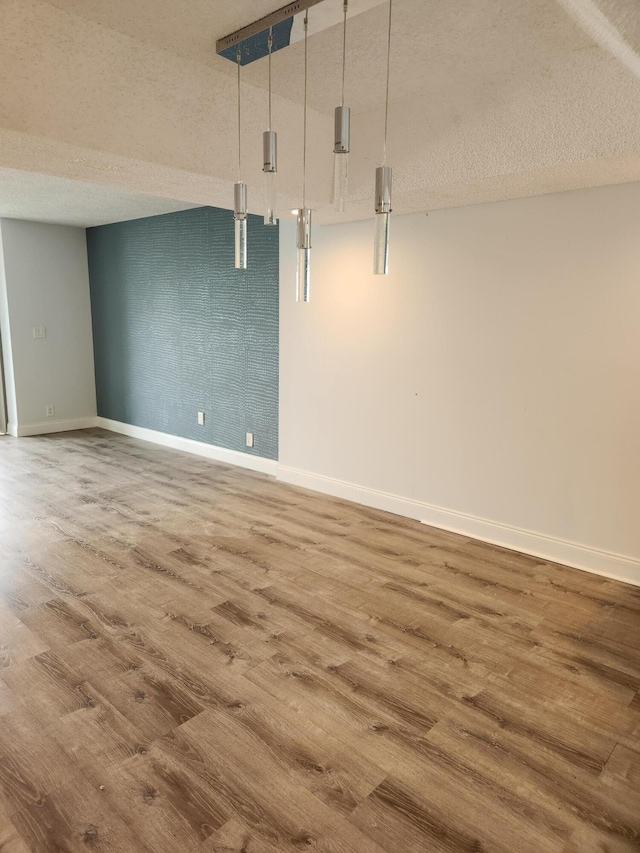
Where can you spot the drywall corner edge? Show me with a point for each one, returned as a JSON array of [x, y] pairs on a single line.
[[5, 340], [547, 549]]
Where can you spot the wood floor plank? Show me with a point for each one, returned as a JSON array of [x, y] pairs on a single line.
[[98, 733], [8, 701], [75, 818], [233, 837], [10, 840], [154, 703], [549, 782], [164, 803], [59, 623], [608, 714], [267, 798], [32, 763], [623, 768], [47, 685], [394, 811], [102, 656], [339, 777], [590, 841]]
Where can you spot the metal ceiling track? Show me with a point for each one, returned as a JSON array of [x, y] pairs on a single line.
[[252, 40]]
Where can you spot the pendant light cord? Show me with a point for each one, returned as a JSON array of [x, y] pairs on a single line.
[[344, 46], [270, 42], [386, 106], [239, 57], [304, 135]]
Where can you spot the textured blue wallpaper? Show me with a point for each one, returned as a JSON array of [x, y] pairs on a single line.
[[178, 330]]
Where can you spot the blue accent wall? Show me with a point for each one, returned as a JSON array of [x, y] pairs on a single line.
[[178, 330]]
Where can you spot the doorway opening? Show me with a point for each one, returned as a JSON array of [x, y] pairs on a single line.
[[3, 396]]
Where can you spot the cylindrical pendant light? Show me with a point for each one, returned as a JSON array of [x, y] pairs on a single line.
[[342, 137], [270, 159], [383, 220], [383, 186], [304, 255], [240, 198], [303, 231], [240, 217]]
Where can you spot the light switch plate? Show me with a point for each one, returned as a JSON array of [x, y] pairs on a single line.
[[39, 332]]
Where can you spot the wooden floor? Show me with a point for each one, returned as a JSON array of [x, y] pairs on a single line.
[[197, 658]]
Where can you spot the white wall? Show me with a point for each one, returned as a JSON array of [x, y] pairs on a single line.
[[46, 283], [489, 384]]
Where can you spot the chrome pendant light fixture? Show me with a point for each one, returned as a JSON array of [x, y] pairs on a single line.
[[383, 185], [240, 196], [303, 230], [342, 137], [260, 39], [270, 157]]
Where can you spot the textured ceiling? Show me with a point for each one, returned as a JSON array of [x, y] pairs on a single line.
[[43, 198], [490, 100]]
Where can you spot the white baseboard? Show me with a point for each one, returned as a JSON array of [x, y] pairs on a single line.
[[47, 427], [188, 445], [548, 548]]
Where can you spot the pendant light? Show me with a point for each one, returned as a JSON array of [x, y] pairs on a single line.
[[342, 134], [240, 197], [303, 231], [270, 158], [383, 186]]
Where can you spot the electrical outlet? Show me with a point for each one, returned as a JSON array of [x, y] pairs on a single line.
[[201, 418], [39, 332], [51, 412], [249, 439]]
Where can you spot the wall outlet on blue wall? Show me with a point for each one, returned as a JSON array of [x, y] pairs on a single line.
[[201, 418]]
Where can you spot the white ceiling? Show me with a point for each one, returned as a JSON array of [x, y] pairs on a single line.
[[490, 100], [44, 198]]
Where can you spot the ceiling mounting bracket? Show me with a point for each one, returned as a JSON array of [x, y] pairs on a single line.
[[252, 40]]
